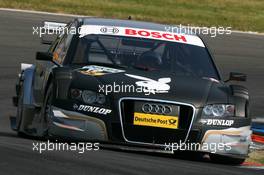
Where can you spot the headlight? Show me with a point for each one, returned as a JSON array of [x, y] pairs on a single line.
[[218, 110], [100, 98], [87, 96], [76, 93]]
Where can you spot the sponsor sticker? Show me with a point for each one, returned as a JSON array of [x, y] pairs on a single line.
[[155, 120], [140, 33], [94, 70], [93, 109], [217, 122], [152, 86]]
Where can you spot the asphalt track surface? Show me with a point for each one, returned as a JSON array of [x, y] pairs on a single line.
[[236, 52]]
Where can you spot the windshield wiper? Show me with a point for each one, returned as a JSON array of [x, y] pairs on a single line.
[[103, 64], [142, 68]]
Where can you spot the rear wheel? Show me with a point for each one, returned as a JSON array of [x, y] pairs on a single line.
[[226, 160]]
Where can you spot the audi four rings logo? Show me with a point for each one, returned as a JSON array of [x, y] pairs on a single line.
[[109, 30], [156, 109]]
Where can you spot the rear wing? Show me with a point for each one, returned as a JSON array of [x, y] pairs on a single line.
[[50, 31]]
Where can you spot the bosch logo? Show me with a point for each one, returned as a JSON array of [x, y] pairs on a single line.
[[156, 108], [156, 34], [109, 30]]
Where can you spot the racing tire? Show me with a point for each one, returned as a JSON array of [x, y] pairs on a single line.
[[226, 160], [19, 116], [46, 111]]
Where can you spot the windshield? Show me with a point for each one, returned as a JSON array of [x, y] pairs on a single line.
[[145, 54]]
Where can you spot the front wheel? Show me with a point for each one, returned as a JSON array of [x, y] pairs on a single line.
[[46, 111], [226, 160], [19, 115]]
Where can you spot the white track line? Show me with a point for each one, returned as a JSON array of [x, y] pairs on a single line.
[[71, 15], [253, 167], [247, 32]]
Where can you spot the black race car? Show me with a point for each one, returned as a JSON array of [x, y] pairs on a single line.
[[133, 83]]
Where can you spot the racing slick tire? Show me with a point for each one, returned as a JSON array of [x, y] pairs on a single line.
[[46, 111], [226, 160], [19, 116], [20, 110]]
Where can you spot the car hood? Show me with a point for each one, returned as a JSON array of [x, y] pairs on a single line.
[[155, 85]]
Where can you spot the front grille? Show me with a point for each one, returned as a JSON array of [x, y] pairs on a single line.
[[154, 135]]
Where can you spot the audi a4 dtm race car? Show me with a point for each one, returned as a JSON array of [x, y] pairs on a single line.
[[133, 83]]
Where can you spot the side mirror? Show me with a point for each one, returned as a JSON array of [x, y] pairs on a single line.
[[234, 76], [44, 56], [50, 31]]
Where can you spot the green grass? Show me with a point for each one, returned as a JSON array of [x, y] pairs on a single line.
[[247, 15]]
